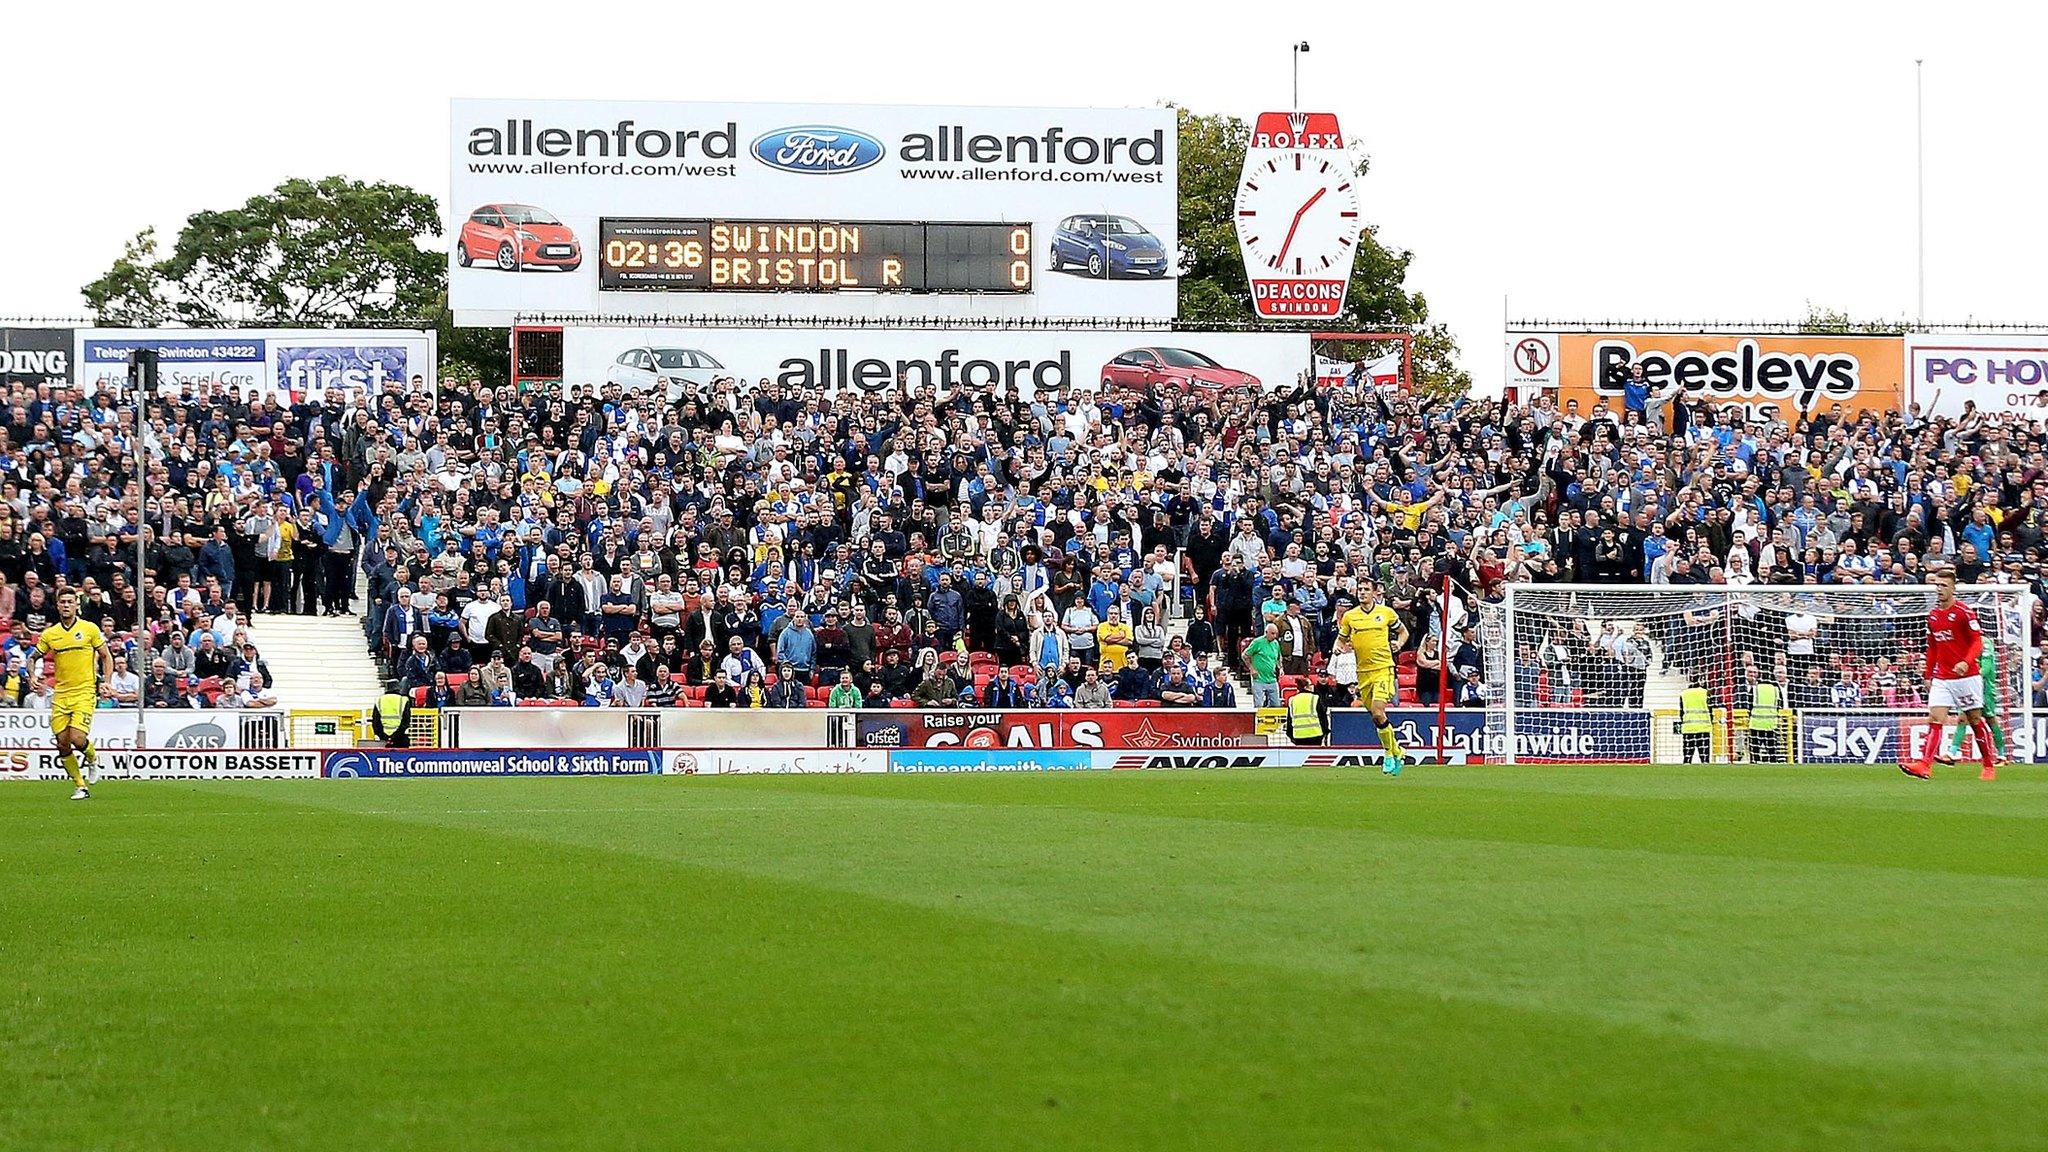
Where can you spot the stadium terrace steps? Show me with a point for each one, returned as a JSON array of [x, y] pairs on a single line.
[[319, 661]]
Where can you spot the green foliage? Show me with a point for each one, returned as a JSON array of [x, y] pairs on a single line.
[[480, 355], [1213, 288], [1821, 321], [309, 253]]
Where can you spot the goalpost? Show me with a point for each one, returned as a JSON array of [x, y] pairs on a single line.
[[1595, 672]]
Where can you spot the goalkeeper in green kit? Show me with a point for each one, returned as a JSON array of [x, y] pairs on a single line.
[[1987, 667]]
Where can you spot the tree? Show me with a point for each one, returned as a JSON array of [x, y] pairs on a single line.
[[1821, 321], [1213, 288], [480, 354], [307, 254]]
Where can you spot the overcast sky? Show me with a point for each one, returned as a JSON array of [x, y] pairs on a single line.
[[1579, 161]]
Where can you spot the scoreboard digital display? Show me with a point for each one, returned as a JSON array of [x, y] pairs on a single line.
[[660, 255]]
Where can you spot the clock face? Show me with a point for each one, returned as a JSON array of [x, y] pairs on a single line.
[[1297, 214]]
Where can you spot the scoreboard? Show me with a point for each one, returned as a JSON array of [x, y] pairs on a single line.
[[717, 255]]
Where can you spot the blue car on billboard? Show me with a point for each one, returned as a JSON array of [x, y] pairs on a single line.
[[1109, 245]]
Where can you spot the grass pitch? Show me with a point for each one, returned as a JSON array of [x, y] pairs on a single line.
[[1512, 958]]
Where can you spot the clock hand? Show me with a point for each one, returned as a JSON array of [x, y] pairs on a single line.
[[1298, 214]]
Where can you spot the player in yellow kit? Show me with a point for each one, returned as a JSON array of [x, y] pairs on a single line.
[[1375, 633], [84, 673]]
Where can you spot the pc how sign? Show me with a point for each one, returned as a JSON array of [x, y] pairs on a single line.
[[1998, 373]]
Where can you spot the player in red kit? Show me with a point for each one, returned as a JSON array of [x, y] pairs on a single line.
[[1954, 642]]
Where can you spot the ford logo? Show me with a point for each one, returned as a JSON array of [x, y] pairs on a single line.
[[817, 149]]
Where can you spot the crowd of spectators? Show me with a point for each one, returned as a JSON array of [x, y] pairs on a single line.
[[240, 522], [762, 544], [579, 543]]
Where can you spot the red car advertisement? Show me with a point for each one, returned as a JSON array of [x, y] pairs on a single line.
[[1142, 728], [1182, 368], [515, 237]]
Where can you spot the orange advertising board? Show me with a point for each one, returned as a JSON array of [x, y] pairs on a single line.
[[1784, 375]]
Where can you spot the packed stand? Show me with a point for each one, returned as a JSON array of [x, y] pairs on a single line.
[[772, 546], [241, 521]]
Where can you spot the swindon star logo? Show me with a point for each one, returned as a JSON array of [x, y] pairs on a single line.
[[1147, 737]]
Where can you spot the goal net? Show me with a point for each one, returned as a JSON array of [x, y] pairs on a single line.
[[1580, 672]]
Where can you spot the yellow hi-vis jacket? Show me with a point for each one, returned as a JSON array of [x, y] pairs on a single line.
[[1694, 714], [1302, 721], [1763, 708]]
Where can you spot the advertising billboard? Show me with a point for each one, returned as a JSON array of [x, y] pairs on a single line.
[[285, 365], [1618, 736], [35, 356], [1159, 729], [838, 359], [579, 208], [127, 764], [1767, 374], [172, 728], [538, 762], [772, 762], [1297, 215], [1996, 372]]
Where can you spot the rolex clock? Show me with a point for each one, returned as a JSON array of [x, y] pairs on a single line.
[[1297, 215]]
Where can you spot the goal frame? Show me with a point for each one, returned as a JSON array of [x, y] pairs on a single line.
[[2020, 718]]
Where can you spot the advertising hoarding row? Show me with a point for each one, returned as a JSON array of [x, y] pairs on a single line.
[[287, 365], [1028, 362], [1161, 729], [809, 210], [1790, 375]]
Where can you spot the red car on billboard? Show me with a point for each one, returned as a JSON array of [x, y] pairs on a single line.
[[1182, 368], [517, 236]]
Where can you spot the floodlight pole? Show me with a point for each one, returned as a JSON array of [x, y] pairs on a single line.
[[139, 377], [1919, 197], [1295, 55]]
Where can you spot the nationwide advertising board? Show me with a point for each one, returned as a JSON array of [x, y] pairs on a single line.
[[35, 356], [287, 365], [1541, 737], [1996, 372], [1767, 374], [1155, 729], [809, 210], [1028, 362]]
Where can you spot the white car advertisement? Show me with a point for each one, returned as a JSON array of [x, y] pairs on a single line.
[[839, 359], [642, 209]]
